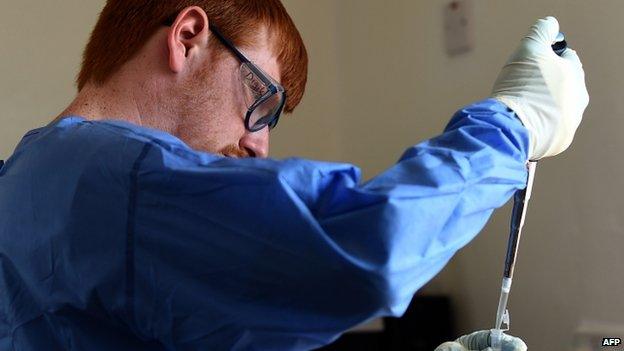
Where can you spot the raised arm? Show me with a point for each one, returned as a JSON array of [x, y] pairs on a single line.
[[302, 249]]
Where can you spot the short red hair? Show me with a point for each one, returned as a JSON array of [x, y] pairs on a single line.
[[125, 26]]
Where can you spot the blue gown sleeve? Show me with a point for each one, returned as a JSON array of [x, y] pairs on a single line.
[[266, 251]]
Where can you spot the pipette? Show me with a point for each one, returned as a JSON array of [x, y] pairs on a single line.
[[518, 215]]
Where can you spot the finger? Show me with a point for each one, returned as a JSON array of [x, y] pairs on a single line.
[[450, 346], [511, 343], [476, 341], [545, 30], [572, 57]]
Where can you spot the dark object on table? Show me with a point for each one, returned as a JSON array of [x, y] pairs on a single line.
[[427, 323]]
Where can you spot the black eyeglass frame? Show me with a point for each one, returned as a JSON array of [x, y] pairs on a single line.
[[272, 88]]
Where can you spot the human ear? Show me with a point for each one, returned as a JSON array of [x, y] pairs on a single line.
[[189, 33]]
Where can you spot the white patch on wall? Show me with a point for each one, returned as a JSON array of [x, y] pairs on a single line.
[[459, 27]]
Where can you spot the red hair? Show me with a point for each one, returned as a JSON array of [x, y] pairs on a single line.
[[125, 26]]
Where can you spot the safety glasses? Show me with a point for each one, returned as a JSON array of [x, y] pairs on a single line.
[[264, 97]]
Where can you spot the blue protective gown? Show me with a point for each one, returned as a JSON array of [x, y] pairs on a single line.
[[118, 237]]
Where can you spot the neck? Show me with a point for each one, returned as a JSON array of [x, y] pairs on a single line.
[[120, 98], [104, 103]]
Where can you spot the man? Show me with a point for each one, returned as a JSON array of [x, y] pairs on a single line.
[[147, 216]]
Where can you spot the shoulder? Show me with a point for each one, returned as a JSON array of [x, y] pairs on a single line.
[[118, 144]]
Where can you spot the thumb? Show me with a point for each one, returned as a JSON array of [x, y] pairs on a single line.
[[544, 31]]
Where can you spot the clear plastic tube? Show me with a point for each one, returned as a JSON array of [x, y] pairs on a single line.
[[502, 316], [502, 305]]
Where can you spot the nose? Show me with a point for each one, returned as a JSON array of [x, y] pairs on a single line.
[[256, 143]]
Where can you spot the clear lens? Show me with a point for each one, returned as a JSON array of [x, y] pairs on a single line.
[[254, 86], [255, 89], [264, 113]]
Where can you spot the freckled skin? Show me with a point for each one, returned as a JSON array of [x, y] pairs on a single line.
[[195, 95]]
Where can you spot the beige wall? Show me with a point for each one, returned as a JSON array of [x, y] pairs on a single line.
[[313, 130], [379, 82], [396, 86], [40, 50]]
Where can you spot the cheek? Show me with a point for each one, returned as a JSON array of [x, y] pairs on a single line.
[[225, 116], [233, 107], [220, 105]]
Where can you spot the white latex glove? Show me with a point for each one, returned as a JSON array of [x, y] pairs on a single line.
[[480, 341], [546, 91]]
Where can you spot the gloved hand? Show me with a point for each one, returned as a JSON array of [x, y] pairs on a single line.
[[546, 91], [480, 341]]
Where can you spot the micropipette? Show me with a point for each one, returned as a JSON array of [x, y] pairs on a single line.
[[518, 214]]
